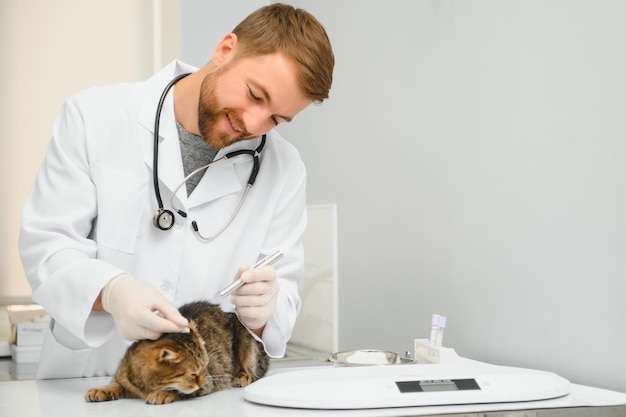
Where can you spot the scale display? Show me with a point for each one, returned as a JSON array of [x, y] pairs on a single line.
[[434, 385]]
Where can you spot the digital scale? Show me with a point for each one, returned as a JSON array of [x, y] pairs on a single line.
[[405, 385]]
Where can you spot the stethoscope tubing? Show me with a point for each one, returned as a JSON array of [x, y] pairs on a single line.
[[157, 122], [255, 153]]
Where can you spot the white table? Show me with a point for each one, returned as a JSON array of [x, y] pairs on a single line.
[[64, 398]]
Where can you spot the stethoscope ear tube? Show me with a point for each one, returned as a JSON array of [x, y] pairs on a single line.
[[255, 170], [256, 161]]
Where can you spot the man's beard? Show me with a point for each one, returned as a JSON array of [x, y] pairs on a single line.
[[209, 114]]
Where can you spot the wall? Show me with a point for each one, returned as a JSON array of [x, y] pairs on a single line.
[[317, 328], [475, 153], [50, 50], [204, 24]]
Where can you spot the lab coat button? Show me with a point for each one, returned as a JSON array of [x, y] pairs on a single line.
[[178, 224], [164, 288]]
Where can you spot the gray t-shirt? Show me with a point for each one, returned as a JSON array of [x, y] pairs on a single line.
[[195, 153]]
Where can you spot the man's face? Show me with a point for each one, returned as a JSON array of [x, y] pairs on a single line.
[[247, 97]]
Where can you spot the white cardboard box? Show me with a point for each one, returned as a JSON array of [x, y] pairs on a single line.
[[19, 313], [25, 354], [30, 334], [27, 370]]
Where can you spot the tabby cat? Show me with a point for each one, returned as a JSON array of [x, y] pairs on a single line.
[[218, 353]]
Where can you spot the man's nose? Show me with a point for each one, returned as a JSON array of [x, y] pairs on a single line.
[[257, 120]]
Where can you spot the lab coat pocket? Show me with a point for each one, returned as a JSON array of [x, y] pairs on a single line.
[[121, 198], [58, 360]]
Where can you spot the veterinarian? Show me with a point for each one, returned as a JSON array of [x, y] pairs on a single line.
[[118, 231]]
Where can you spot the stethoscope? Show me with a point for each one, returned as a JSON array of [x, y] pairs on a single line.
[[163, 218]]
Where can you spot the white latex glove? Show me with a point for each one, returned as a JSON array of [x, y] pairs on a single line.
[[256, 300], [140, 311]]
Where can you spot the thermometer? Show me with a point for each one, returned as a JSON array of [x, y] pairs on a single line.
[[269, 260]]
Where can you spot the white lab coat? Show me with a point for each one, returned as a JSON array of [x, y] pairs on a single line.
[[89, 217]]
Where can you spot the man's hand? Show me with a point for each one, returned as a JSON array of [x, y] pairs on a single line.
[[140, 311], [256, 300]]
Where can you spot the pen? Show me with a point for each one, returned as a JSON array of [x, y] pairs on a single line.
[[268, 260]]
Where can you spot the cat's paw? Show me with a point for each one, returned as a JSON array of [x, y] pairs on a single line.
[[101, 394], [162, 397], [242, 380]]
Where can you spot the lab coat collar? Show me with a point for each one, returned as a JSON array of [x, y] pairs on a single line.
[[153, 87]]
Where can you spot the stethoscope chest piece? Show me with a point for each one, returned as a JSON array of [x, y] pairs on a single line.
[[163, 219]]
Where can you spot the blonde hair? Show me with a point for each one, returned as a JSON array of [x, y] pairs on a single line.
[[298, 34]]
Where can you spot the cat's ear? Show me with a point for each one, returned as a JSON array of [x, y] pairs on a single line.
[[168, 355]]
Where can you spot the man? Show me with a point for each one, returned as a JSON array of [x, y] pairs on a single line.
[[106, 267]]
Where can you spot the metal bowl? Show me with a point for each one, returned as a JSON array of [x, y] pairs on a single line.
[[365, 357]]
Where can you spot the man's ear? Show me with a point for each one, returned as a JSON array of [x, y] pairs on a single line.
[[225, 50]]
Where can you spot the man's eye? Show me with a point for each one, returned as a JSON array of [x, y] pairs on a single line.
[[253, 96], [275, 121]]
